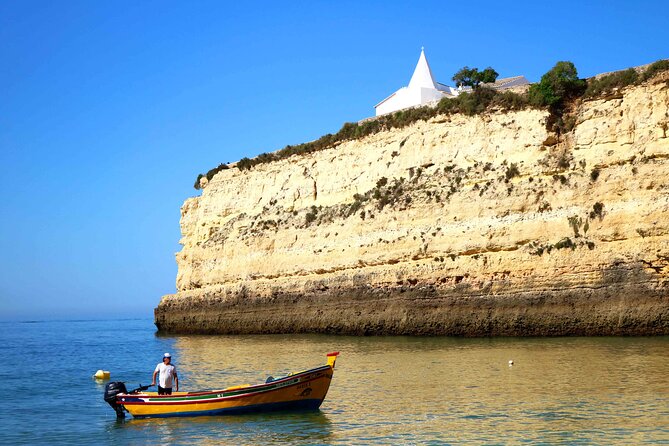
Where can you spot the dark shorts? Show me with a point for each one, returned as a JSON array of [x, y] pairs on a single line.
[[164, 390]]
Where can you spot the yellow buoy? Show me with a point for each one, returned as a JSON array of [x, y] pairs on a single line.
[[102, 374]]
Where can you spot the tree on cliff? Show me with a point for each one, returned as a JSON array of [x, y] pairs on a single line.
[[472, 77], [559, 83]]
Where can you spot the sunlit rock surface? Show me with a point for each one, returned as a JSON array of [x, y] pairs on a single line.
[[475, 226]]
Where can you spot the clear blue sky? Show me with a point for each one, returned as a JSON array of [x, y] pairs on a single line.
[[109, 110]]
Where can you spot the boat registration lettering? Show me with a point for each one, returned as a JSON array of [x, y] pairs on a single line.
[[304, 385]]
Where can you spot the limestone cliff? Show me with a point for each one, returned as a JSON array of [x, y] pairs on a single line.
[[484, 225]]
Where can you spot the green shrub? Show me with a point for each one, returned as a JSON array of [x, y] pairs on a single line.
[[561, 178], [388, 193], [245, 163], [472, 77], [538, 95], [544, 207], [209, 175], [594, 174], [509, 100], [311, 215], [606, 84], [654, 68], [537, 249], [564, 159], [265, 158], [215, 170], [511, 171], [620, 79], [197, 182], [558, 84], [358, 202], [576, 222], [476, 102], [597, 210], [565, 243]]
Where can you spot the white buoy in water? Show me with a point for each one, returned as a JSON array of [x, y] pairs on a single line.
[[510, 362], [102, 374]]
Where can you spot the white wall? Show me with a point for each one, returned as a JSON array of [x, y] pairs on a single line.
[[407, 97]]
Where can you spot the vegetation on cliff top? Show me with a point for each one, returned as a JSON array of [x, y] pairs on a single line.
[[556, 88], [472, 77], [209, 175], [559, 84]]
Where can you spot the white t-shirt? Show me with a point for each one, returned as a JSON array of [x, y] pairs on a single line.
[[167, 372]]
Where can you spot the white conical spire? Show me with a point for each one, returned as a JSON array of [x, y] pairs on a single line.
[[422, 75]]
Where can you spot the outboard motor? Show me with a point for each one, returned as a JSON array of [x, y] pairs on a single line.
[[111, 390]]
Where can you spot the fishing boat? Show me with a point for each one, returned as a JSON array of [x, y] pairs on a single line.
[[304, 390]]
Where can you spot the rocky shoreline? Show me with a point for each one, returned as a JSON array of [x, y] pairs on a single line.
[[631, 302]]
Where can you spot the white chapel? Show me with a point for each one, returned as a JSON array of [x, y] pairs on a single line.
[[423, 89]]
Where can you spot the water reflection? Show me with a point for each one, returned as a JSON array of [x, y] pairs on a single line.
[[443, 390], [253, 428]]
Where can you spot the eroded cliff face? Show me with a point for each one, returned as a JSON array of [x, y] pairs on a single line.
[[486, 225]]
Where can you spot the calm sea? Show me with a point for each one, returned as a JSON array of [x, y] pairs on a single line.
[[386, 390]]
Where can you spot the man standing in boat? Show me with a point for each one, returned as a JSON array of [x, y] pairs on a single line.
[[168, 373]]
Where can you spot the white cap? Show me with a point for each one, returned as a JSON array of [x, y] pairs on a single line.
[[167, 355]]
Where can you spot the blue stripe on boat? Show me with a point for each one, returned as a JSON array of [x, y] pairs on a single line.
[[308, 404]]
